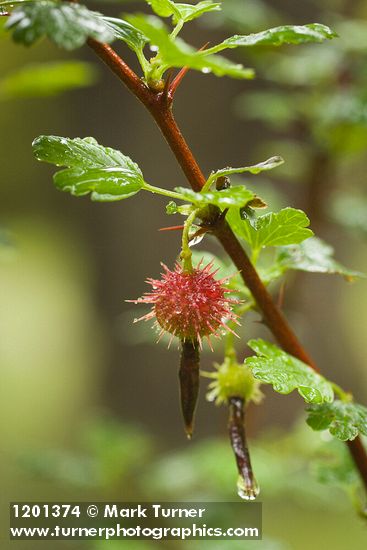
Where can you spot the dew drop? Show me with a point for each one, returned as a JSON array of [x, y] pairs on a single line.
[[153, 48], [206, 70]]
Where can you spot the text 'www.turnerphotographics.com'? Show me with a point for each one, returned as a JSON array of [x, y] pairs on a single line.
[[149, 520]]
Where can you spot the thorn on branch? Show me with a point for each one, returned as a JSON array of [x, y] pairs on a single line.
[[172, 228], [180, 76], [176, 82], [281, 294], [167, 86]]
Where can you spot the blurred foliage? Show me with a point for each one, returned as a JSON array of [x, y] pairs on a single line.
[[110, 453], [109, 459], [47, 79], [315, 99], [302, 467], [351, 211]]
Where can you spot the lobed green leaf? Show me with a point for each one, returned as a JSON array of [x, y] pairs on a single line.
[[286, 373], [66, 24], [182, 12], [287, 34], [91, 168], [313, 255], [188, 12], [237, 196], [288, 226], [344, 420], [122, 30], [177, 53], [163, 8], [173, 208], [268, 164]]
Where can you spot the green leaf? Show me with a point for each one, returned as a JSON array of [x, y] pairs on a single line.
[[47, 79], [182, 12], [288, 226], [122, 30], [10, 3], [237, 196], [286, 373], [287, 34], [163, 8], [268, 164], [173, 208], [315, 256], [344, 420], [66, 24], [177, 53], [188, 12], [104, 172]]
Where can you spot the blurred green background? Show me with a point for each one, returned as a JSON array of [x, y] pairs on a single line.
[[88, 406]]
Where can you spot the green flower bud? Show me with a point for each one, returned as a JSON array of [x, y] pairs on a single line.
[[232, 380]]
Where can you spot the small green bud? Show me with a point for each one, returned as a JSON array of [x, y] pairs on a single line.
[[156, 85], [232, 380]]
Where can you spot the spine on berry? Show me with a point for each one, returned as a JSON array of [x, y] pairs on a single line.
[[189, 377], [247, 486]]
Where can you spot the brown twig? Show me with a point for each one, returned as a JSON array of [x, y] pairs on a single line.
[[161, 111]]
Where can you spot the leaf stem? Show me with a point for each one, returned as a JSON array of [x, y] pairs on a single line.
[[165, 192], [209, 182], [255, 255], [343, 396], [177, 29], [144, 63], [186, 252]]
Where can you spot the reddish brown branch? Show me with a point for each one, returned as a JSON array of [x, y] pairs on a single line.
[[273, 317], [121, 70], [177, 81], [181, 75], [159, 107]]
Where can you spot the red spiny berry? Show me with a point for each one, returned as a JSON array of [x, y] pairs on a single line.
[[189, 305]]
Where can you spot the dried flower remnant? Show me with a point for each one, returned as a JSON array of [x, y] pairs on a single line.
[[234, 385], [190, 305], [189, 376], [247, 486]]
